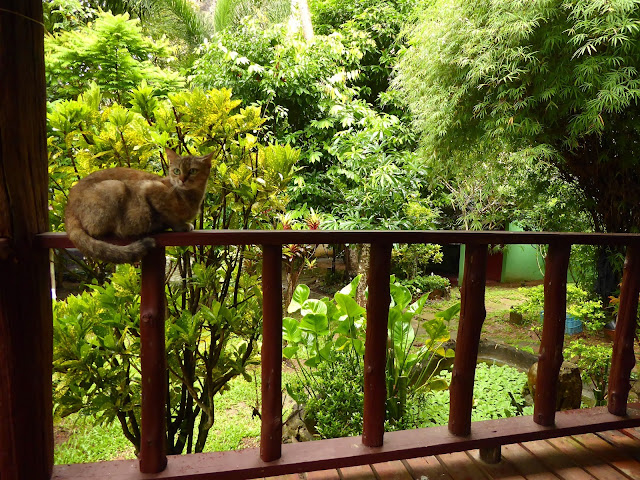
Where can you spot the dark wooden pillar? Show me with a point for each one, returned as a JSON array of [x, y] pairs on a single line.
[[26, 429], [271, 431], [375, 352], [555, 311], [623, 359], [472, 315], [153, 361]]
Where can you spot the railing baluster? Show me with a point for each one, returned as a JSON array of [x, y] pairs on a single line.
[[555, 312], [153, 458], [472, 315], [271, 432], [623, 358], [375, 352]]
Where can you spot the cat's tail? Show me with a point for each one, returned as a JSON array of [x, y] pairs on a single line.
[[101, 250]]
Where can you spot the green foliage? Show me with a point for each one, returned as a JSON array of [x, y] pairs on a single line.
[[292, 80], [112, 52], [353, 155], [96, 353], [376, 181], [231, 14], [328, 327], [594, 362], [375, 26], [214, 299], [335, 409], [66, 14], [422, 284], [555, 81], [408, 367], [410, 262], [498, 391], [579, 305]]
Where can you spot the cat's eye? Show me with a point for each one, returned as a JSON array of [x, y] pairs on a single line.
[[193, 171], [176, 171]]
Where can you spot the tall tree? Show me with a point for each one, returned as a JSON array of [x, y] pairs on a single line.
[[556, 80]]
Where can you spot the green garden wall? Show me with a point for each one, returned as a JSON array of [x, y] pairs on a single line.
[[520, 262]]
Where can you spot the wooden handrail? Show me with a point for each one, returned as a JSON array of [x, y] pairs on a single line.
[[274, 458], [441, 237]]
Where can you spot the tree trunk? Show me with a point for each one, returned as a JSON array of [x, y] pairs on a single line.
[[26, 345], [305, 19], [357, 263]]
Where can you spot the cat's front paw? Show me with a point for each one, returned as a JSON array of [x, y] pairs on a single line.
[[185, 227]]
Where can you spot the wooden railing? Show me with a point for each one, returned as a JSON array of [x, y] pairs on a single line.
[[273, 458]]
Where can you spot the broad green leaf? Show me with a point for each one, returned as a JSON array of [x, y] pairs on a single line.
[[315, 323], [449, 313], [314, 306], [349, 306], [437, 330], [395, 315], [300, 295], [400, 295], [290, 351], [438, 384], [416, 307], [352, 288], [290, 331], [358, 346], [313, 361]]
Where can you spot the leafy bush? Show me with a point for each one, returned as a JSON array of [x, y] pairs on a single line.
[[293, 81], [411, 261], [594, 362], [424, 284], [328, 327], [335, 408], [213, 293], [579, 305], [375, 26], [112, 52]]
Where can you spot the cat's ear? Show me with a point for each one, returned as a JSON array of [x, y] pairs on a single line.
[[207, 158], [171, 155]]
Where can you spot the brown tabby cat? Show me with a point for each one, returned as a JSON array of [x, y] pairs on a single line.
[[124, 202]]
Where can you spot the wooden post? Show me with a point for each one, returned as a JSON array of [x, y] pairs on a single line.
[[153, 441], [472, 315], [623, 359], [555, 312], [271, 431], [26, 428], [375, 351]]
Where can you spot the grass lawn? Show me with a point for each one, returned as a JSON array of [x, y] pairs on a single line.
[[79, 441]]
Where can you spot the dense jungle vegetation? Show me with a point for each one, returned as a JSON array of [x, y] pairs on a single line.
[[392, 114]]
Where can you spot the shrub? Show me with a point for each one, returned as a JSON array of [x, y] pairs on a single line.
[[331, 327], [335, 409], [424, 284], [579, 305], [213, 293], [594, 362]]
